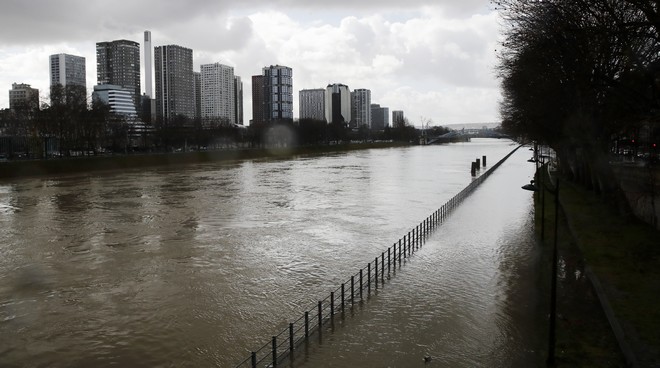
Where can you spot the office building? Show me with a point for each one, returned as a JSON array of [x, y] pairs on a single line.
[[174, 82], [361, 108], [311, 104], [380, 117], [218, 93], [337, 103], [23, 96], [118, 63], [119, 100]]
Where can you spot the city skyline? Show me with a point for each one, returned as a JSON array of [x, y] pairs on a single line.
[[432, 61]]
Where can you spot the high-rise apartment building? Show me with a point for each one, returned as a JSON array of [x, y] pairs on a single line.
[[361, 107], [67, 70], [118, 63], [397, 117], [197, 90], [174, 82], [279, 92], [23, 96], [218, 93], [380, 117], [238, 100], [337, 103], [274, 94], [311, 103], [258, 98]]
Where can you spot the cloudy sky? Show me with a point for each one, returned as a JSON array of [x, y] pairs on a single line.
[[433, 59]]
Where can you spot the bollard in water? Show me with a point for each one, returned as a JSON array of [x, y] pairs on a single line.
[[382, 266], [254, 359], [320, 315], [483, 160], [478, 164], [473, 170]]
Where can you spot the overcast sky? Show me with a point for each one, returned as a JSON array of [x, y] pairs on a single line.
[[433, 59]]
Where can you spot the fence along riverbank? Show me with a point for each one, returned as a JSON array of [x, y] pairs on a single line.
[[359, 284]]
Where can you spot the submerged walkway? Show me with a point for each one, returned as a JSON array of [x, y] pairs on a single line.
[[468, 298]]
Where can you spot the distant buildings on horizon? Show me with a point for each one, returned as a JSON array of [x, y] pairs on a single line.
[[214, 94]]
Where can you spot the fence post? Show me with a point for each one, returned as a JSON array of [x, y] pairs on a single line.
[[368, 278], [389, 258], [376, 271], [291, 337], [361, 283], [320, 316], [274, 351], [352, 290], [342, 298], [332, 304], [254, 359], [382, 266], [483, 159], [306, 324]]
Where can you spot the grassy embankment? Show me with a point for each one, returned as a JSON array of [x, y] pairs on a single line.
[[623, 253], [15, 169]]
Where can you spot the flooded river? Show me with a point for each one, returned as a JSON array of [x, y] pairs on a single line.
[[195, 266]]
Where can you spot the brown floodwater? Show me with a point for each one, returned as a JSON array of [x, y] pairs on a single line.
[[196, 266]]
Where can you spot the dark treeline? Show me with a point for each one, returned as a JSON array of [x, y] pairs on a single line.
[[70, 126], [582, 76]]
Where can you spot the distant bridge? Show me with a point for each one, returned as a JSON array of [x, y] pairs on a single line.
[[464, 135]]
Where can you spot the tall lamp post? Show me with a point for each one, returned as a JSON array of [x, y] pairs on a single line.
[[553, 284]]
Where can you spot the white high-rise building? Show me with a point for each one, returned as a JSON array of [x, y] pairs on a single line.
[[312, 104], [218, 93], [337, 103], [67, 70], [361, 107]]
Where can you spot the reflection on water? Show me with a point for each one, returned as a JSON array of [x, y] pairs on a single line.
[[195, 266]]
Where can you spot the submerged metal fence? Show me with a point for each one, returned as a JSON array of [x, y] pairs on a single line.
[[359, 284]]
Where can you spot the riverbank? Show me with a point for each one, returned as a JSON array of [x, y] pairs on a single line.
[[28, 168], [608, 259]]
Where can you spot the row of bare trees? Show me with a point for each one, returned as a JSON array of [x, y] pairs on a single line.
[[578, 75]]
